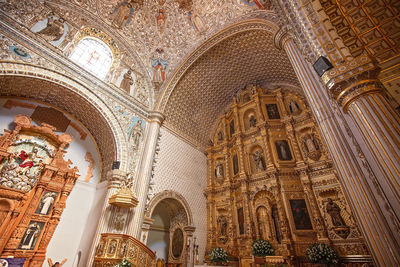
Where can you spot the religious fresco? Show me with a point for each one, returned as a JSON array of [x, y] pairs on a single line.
[[300, 214], [53, 29], [135, 132]]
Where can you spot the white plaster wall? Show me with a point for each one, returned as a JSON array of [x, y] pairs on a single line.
[[85, 199], [182, 168]]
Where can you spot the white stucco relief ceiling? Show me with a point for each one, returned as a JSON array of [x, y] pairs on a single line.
[[211, 82]]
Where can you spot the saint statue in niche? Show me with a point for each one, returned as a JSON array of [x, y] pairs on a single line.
[[259, 162], [220, 136], [127, 81], [160, 18], [334, 211], [282, 147], [122, 14], [293, 106], [222, 225], [252, 121], [46, 203], [54, 29], [219, 171], [136, 134], [310, 144], [31, 235]]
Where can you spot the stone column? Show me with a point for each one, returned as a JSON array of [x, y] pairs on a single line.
[[361, 187], [144, 173], [362, 97], [115, 178]]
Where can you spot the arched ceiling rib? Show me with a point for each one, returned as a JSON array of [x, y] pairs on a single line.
[[210, 83], [66, 100]]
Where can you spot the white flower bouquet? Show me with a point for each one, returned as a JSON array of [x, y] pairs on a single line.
[[322, 253], [219, 255], [261, 248], [124, 263]]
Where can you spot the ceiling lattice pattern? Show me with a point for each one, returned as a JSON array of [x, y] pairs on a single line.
[[210, 84]]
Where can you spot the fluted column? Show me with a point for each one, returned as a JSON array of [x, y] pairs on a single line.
[[115, 179], [361, 187], [144, 174], [362, 97]]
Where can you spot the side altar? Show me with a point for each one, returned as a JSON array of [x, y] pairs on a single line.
[[35, 182]]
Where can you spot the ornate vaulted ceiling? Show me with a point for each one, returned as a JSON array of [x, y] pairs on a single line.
[[210, 83]]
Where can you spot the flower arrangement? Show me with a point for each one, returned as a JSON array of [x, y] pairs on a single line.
[[124, 263], [321, 253], [219, 255], [261, 248]]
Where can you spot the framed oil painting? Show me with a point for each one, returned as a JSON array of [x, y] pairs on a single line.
[[300, 214]]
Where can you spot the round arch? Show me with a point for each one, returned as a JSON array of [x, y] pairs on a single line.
[[247, 25], [169, 194], [56, 89]]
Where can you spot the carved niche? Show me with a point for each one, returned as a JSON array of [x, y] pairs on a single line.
[[35, 182]]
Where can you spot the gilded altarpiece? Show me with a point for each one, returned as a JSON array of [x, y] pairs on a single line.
[[35, 182], [270, 177]]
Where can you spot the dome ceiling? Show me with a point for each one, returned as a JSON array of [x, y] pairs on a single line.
[[211, 82]]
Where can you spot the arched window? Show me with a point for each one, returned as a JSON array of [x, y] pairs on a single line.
[[93, 55]]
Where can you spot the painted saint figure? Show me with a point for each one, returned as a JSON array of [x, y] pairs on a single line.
[[127, 81], [122, 14], [136, 134], [334, 211], [31, 235], [54, 29], [159, 67], [197, 21], [47, 202]]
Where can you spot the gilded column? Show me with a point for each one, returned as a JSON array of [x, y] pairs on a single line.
[[144, 174], [361, 187]]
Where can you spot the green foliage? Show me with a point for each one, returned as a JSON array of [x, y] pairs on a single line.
[[219, 255], [124, 263], [321, 253], [261, 248]]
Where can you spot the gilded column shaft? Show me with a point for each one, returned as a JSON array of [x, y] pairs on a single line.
[[361, 191]]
